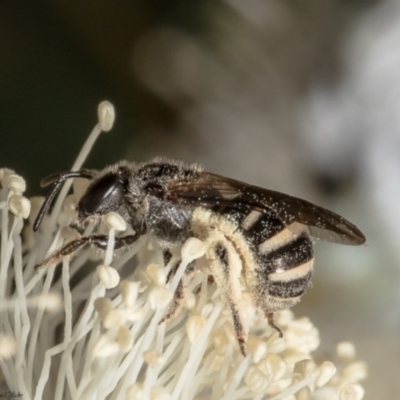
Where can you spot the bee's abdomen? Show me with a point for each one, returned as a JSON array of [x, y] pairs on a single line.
[[290, 256], [284, 257]]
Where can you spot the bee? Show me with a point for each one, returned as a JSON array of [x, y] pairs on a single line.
[[262, 235]]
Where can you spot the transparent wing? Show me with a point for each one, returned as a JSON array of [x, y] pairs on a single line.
[[210, 190]]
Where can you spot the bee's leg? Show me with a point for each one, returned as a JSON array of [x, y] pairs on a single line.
[[100, 241], [225, 266], [189, 269], [167, 255], [176, 305], [172, 271], [270, 317], [177, 302], [210, 281]]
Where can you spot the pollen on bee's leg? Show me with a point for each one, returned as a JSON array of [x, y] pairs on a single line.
[[238, 327], [270, 317]]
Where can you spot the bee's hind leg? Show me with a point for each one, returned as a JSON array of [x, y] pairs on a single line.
[[226, 266], [270, 317]]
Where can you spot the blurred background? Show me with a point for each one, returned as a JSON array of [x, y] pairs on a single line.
[[299, 96]]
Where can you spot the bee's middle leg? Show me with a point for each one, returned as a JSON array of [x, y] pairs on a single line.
[[179, 296]]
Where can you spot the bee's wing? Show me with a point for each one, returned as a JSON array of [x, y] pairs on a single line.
[[210, 190]]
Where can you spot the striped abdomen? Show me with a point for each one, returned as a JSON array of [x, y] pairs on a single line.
[[283, 258]]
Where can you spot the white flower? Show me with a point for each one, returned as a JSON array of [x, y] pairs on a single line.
[[106, 341]]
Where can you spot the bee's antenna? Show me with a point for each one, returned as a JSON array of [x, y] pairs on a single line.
[[58, 179]]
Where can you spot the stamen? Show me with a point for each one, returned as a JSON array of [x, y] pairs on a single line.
[[106, 114], [108, 276]]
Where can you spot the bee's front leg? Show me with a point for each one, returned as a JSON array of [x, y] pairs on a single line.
[[100, 241]]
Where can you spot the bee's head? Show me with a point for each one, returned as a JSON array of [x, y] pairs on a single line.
[[103, 195]]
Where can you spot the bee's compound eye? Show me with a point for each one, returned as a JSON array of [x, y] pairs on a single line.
[[98, 193]]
